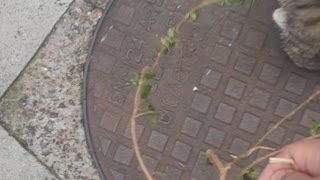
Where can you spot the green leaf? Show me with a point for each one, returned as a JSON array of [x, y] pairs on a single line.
[[146, 89], [171, 41], [134, 83], [149, 76], [194, 16], [165, 43], [153, 119], [314, 127], [135, 80], [172, 33], [254, 173], [172, 44]]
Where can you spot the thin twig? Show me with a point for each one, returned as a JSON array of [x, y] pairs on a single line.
[[292, 113], [137, 102], [137, 99], [259, 160], [156, 62], [214, 160], [284, 161], [211, 155], [254, 149], [146, 113], [203, 4]]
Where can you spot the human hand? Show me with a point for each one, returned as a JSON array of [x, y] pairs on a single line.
[[305, 154]]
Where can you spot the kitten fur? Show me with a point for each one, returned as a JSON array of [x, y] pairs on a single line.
[[299, 21]]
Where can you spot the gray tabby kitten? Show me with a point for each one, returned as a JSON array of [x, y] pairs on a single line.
[[299, 21]]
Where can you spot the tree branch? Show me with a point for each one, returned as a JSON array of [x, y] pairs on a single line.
[[301, 106], [259, 160], [292, 113], [137, 99], [137, 102]]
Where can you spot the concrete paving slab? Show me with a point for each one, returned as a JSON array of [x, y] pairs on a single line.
[[42, 108], [16, 163], [24, 24]]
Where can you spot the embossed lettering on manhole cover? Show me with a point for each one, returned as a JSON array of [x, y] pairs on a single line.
[[245, 82]]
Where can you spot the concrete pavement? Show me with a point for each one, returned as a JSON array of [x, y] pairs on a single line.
[[24, 24], [42, 108], [16, 163]]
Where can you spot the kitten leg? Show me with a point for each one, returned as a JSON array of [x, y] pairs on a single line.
[[280, 17], [302, 54]]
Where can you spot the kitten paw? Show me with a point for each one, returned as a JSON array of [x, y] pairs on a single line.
[[280, 17]]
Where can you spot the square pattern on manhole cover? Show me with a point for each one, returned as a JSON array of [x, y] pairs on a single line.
[[244, 85]]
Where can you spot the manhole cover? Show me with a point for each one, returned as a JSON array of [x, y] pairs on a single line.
[[232, 56]]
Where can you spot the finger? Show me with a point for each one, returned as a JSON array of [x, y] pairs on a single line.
[[306, 156], [296, 175], [276, 168], [275, 171]]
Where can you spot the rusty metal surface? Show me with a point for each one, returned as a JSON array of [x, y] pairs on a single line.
[[232, 55]]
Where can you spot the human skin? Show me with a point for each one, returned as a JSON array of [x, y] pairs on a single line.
[[305, 154]]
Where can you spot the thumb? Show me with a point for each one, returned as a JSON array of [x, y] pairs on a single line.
[[296, 175]]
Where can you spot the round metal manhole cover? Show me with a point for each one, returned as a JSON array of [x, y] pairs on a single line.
[[232, 55]]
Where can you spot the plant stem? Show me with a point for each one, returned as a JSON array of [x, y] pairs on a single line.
[[222, 169], [223, 176], [313, 96], [214, 160], [203, 4], [146, 113], [259, 160], [292, 113], [137, 98], [157, 61], [137, 102]]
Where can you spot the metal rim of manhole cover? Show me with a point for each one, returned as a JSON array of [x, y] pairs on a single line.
[[232, 55]]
